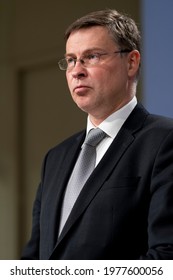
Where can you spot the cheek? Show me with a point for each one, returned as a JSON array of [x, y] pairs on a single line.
[[69, 81], [104, 80], [100, 78], [67, 77]]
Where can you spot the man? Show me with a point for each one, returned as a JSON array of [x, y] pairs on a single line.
[[124, 210]]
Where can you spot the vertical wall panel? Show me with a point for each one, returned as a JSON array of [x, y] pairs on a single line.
[[158, 55]]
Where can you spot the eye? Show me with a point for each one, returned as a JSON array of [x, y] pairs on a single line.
[[70, 60], [93, 56]]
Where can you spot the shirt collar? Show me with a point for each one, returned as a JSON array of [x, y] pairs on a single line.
[[112, 124]]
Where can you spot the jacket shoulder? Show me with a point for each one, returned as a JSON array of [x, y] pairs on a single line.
[[154, 120], [159, 121]]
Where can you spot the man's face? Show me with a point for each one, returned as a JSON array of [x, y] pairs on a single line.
[[99, 89]]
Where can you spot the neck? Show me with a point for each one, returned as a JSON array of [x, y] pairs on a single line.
[[97, 119]]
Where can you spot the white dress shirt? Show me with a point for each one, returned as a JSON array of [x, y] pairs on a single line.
[[111, 127]]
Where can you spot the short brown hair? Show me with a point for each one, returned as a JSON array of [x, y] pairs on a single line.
[[122, 28]]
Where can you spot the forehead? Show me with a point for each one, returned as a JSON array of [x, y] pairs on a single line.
[[88, 38]]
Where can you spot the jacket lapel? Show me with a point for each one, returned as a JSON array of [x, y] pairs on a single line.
[[57, 184], [111, 158]]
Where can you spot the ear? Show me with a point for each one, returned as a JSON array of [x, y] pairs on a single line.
[[134, 59]]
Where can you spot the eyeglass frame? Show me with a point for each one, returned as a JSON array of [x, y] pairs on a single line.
[[82, 59]]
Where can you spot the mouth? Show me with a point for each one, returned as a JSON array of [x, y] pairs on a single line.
[[81, 89]]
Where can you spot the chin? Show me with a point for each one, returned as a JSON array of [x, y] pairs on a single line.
[[83, 107]]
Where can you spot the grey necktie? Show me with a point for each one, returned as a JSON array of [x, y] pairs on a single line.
[[81, 172]]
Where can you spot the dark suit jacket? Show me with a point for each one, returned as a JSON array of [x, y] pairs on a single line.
[[125, 210]]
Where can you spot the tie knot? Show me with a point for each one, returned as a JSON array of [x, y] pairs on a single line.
[[94, 137]]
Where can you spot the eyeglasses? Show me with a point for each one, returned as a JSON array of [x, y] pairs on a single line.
[[87, 60]]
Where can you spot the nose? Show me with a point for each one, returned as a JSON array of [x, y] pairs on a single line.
[[79, 71]]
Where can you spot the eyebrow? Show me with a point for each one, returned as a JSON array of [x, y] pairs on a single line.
[[86, 51]]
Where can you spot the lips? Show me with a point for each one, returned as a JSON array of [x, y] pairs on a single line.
[[81, 88]]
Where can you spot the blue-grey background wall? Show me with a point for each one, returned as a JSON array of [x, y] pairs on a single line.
[[157, 25]]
